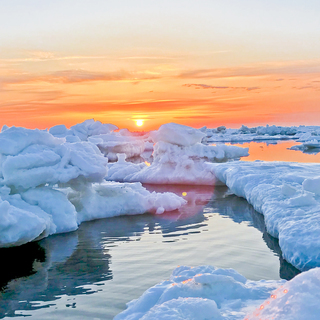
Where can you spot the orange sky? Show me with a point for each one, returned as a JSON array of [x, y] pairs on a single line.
[[207, 64]]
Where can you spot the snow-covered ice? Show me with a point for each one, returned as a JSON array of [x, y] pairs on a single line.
[[49, 185], [288, 195], [205, 292], [179, 157], [104, 136], [244, 133]]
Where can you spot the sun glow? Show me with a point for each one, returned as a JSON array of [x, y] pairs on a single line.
[[139, 122]]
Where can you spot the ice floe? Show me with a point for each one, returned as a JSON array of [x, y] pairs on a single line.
[[179, 157], [49, 185], [215, 294], [244, 133], [287, 194]]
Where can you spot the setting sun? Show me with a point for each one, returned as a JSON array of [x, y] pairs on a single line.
[[139, 122]]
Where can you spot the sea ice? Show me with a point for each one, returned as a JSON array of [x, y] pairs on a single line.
[[222, 134], [309, 145], [113, 143], [49, 185], [83, 130], [208, 293], [177, 134], [178, 158], [287, 194], [111, 199]]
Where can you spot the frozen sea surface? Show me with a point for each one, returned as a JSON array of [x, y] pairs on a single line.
[[93, 272]]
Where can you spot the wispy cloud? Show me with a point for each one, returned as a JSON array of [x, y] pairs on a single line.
[[206, 86], [275, 68], [76, 76], [310, 87], [40, 56]]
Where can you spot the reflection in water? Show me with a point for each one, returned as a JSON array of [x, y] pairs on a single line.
[[277, 151], [65, 268], [20, 262], [287, 270], [240, 211], [144, 251]]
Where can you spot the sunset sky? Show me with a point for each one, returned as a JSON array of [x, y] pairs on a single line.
[[197, 63]]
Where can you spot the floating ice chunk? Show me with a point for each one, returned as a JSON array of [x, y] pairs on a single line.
[[177, 134], [176, 164], [112, 199], [186, 171], [222, 294], [309, 145], [312, 144], [200, 293]]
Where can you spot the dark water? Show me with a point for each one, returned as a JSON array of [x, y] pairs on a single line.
[[91, 273]]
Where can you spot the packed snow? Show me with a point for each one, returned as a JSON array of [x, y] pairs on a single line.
[[288, 195], [179, 157], [215, 294], [50, 184], [104, 137]]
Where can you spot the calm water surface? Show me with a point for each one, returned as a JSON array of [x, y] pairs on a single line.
[[91, 273], [278, 151]]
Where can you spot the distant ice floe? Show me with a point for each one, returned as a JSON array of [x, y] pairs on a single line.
[[310, 142], [311, 146], [245, 134], [50, 184], [179, 157], [104, 137], [207, 293]]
